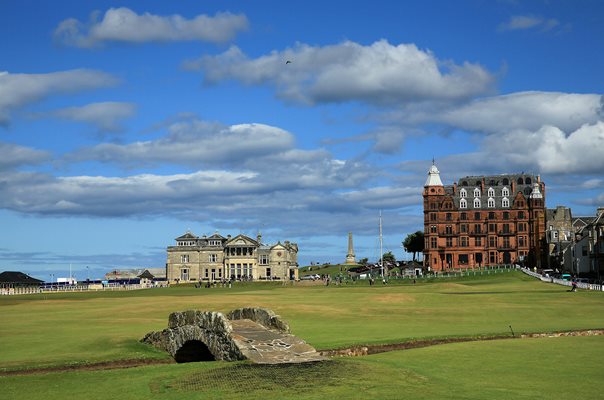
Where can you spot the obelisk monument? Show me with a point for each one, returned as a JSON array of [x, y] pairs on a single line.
[[350, 258]]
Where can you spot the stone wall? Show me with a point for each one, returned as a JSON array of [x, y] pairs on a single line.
[[262, 316], [211, 328]]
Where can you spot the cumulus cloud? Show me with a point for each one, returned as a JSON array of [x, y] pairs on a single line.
[[14, 155], [196, 143], [18, 90], [521, 110], [105, 116], [524, 22], [380, 73], [124, 25]]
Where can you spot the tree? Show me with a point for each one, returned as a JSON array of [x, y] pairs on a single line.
[[414, 243], [389, 258], [363, 261]]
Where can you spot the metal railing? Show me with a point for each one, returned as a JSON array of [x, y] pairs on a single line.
[[549, 279]]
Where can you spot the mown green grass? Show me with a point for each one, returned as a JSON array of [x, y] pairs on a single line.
[[57, 329], [548, 368]]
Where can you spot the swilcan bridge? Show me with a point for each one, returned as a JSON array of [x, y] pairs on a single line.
[[254, 334]]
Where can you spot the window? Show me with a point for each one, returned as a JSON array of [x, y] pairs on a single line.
[[449, 242], [505, 202], [463, 216], [491, 202], [506, 215], [268, 272], [492, 241], [506, 228], [214, 243], [432, 216], [521, 227], [213, 258], [491, 192], [506, 181], [433, 206], [449, 230], [184, 258], [433, 242], [477, 203], [520, 181], [462, 259], [432, 228], [477, 228], [492, 227], [505, 192], [492, 257], [477, 216], [476, 192], [463, 203], [491, 215], [478, 241], [463, 193], [506, 242], [520, 214], [263, 259], [449, 217], [554, 234], [463, 228], [527, 181], [521, 241], [463, 241]]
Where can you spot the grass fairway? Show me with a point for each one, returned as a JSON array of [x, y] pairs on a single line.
[[66, 329]]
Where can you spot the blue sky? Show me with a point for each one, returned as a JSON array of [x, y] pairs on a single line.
[[125, 124]]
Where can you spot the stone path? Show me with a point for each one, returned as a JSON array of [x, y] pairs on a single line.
[[264, 346]]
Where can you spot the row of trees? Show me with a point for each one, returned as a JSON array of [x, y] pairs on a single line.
[[413, 243]]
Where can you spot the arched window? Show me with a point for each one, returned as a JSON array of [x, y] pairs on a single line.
[[527, 181], [476, 203], [491, 192], [463, 203], [463, 193], [506, 181], [491, 202], [476, 192], [464, 183], [505, 202], [520, 181], [505, 192]]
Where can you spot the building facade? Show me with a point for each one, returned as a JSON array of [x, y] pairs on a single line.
[[586, 255], [559, 234], [484, 221], [218, 258]]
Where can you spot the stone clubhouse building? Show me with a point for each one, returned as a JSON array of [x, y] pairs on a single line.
[[216, 258], [484, 220]]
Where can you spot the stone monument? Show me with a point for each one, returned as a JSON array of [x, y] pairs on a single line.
[[350, 257]]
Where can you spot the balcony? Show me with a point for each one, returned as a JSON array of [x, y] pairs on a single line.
[[506, 233], [447, 234], [474, 233], [505, 247]]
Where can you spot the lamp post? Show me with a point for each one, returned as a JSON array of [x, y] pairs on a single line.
[[87, 273]]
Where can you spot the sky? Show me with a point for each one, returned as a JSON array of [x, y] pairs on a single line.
[[125, 124]]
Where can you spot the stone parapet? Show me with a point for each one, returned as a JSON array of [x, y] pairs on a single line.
[[262, 316]]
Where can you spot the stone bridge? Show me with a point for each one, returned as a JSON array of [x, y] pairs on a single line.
[[256, 334]]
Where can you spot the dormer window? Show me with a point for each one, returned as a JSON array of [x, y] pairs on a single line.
[[505, 202], [476, 192], [463, 203], [214, 243], [476, 203], [463, 193], [491, 192], [505, 192], [491, 202]]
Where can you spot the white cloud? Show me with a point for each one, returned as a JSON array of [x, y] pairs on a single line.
[[379, 73], [551, 151], [524, 22], [124, 25], [18, 90], [105, 116], [197, 143], [14, 155]]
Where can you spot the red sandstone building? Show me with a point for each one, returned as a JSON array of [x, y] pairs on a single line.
[[483, 221]]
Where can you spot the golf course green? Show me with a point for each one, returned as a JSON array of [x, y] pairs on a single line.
[[51, 343]]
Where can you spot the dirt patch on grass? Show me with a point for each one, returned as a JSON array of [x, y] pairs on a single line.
[[117, 364], [394, 298]]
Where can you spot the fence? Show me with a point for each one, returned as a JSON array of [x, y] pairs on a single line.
[[70, 288], [580, 285]]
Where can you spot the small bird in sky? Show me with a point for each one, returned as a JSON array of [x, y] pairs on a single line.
[[288, 62]]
